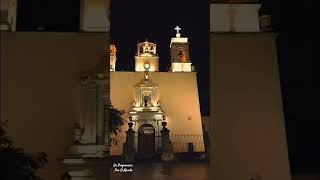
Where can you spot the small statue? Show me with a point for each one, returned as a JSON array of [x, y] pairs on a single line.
[[146, 100]]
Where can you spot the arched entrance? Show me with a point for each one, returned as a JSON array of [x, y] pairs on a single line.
[[146, 141]]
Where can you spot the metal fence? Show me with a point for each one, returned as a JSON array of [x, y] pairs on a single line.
[[187, 142], [180, 142], [116, 147]]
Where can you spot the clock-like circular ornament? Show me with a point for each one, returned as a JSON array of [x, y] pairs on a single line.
[[146, 66]]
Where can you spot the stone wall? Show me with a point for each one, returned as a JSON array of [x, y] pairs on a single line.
[[248, 132], [41, 88]]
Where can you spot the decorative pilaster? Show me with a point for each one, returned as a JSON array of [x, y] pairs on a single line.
[[100, 115], [88, 159], [90, 125]]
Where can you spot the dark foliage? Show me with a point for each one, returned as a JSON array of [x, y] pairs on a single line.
[[15, 164], [116, 120]]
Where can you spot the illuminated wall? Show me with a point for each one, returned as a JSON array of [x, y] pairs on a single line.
[[178, 94], [181, 67], [140, 61]]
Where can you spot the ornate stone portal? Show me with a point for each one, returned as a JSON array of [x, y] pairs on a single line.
[[87, 156], [146, 116], [146, 137]]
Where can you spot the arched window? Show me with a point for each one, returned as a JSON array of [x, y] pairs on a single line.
[[182, 55]]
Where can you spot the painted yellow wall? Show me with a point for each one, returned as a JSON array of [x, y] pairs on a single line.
[[248, 131], [42, 88], [178, 97]]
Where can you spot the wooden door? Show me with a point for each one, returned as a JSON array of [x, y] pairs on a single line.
[[146, 140]]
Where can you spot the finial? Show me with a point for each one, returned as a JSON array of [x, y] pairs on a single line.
[[130, 125], [164, 124], [177, 28]]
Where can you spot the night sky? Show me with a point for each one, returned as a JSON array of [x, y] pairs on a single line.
[[133, 21]]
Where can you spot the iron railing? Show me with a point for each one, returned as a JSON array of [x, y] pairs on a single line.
[[180, 142]]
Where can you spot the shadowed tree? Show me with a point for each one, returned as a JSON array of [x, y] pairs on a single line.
[[15, 163], [115, 121]]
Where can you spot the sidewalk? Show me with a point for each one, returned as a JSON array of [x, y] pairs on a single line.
[[165, 171]]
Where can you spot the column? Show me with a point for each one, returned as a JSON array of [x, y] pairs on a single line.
[[106, 114], [91, 119], [100, 115]]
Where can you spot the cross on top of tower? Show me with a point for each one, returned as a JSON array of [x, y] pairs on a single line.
[[177, 28]]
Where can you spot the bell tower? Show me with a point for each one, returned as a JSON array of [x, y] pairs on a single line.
[[113, 57], [179, 48], [146, 58]]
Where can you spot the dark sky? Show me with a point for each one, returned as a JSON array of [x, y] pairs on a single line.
[[292, 22], [133, 21], [52, 15]]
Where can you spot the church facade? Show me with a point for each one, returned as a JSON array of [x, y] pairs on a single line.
[[151, 98]]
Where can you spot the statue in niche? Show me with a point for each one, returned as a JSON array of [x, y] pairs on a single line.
[[146, 100], [182, 56]]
